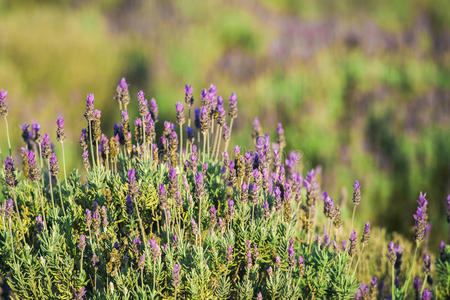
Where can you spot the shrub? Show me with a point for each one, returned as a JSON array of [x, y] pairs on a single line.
[[178, 216]]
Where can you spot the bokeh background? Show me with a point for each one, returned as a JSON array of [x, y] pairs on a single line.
[[361, 87]]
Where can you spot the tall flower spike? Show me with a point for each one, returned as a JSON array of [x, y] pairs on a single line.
[[10, 176], [176, 278], [233, 110], [353, 241], [356, 193], [54, 167], [60, 136], [180, 113], [46, 147], [133, 188], [85, 157], [421, 218], [188, 92], [154, 110], [89, 113], [3, 103], [366, 234], [142, 105], [34, 172], [122, 94], [36, 131]]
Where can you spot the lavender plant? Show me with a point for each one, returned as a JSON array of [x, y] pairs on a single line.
[[177, 216]]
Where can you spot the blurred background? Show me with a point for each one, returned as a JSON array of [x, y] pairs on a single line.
[[361, 87]]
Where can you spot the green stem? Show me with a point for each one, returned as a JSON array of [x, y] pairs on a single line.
[[50, 183], [81, 262], [353, 215], [7, 135], [64, 162], [393, 283], [140, 221], [408, 279], [204, 147], [12, 239], [42, 206], [60, 197], [181, 144]]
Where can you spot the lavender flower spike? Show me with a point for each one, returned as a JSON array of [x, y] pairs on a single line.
[[3, 103], [180, 113], [421, 218], [356, 193], [60, 136]]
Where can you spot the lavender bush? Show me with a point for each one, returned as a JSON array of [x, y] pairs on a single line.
[[179, 216]]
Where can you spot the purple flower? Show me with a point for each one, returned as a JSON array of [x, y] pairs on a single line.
[[188, 92], [266, 210], [137, 242], [281, 138], [154, 109], [180, 113], [233, 106], [39, 224], [249, 259], [141, 262], [46, 147], [133, 189], [226, 133], [255, 252], [194, 227], [230, 254], [426, 295], [426, 263], [26, 134], [259, 296], [86, 163], [421, 218], [204, 119], [366, 234], [60, 136], [155, 250], [129, 205], [221, 114], [36, 131], [199, 186], [122, 94], [10, 176], [8, 208], [54, 168], [142, 105], [230, 209], [79, 294], [89, 113], [190, 134], [82, 243], [291, 256], [277, 261], [356, 193], [162, 193], [34, 172], [3, 103], [328, 206], [176, 278]]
